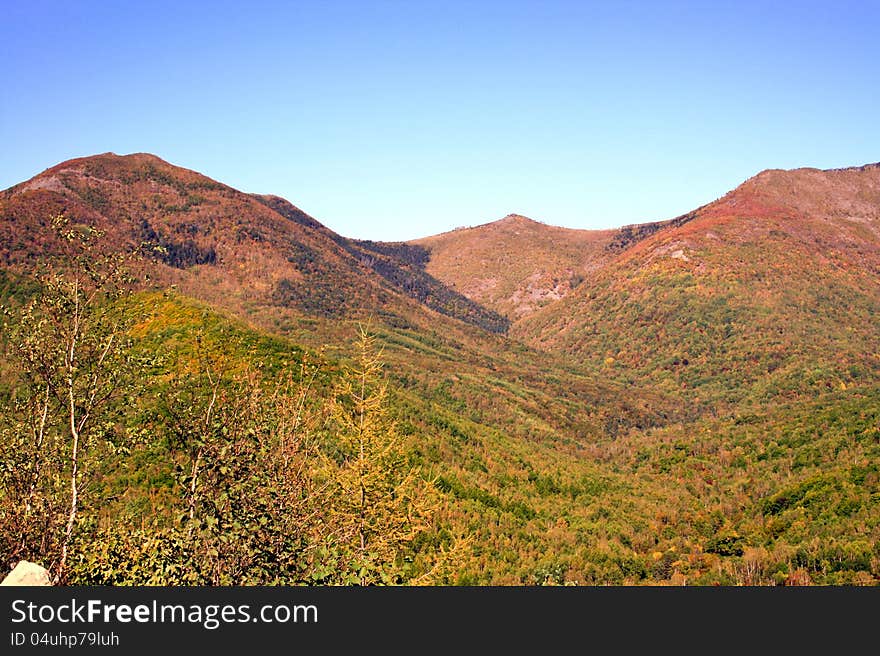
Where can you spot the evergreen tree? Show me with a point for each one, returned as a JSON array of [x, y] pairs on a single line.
[[381, 503]]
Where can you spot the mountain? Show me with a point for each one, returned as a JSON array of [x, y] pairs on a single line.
[[773, 289], [515, 265], [687, 401], [251, 253], [262, 259]]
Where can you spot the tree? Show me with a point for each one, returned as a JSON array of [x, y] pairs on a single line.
[[73, 360], [380, 503], [248, 495]]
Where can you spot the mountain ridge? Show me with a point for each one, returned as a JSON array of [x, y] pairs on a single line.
[[257, 247], [755, 293], [703, 407], [550, 259]]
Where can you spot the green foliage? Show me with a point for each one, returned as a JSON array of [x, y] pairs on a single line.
[[727, 543], [74, 371], [250, 457], [251, 496], [721, 501]]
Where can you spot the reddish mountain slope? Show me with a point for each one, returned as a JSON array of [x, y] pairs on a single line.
[[219, 244], [516, 265], [773, 288]]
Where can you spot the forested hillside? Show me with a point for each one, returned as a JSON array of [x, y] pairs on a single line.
[[202, 386]]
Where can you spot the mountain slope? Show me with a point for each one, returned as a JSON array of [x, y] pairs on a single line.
[[515, 265], [248, 253], [263, 259], [403, 267], [703, 408], [772, 289]]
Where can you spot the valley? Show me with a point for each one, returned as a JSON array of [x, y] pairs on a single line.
[[690, 401]]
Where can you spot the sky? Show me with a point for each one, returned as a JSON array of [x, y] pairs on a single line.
[[394, 120]]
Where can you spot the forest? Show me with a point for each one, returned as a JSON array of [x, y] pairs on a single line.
[[149, 438]]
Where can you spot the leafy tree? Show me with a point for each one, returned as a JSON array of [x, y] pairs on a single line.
[[74, 366], [245, 501]]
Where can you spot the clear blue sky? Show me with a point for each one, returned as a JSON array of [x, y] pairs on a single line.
[[393, 120]]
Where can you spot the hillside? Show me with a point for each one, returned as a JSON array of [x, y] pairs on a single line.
[[254, 254], [771, 290], [515, 265], [266, 261], [703, 408]]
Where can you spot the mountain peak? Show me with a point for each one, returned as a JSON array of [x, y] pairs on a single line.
[[516, 218], [191, 229], [125, 169], [515, 265], [809, 192], [111, 158], [810, 172]]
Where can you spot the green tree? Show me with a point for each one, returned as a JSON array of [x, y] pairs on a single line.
[[246, 496], [246, 503], [72, 357]]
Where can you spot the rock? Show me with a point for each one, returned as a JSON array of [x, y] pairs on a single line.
[[27, 573]]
